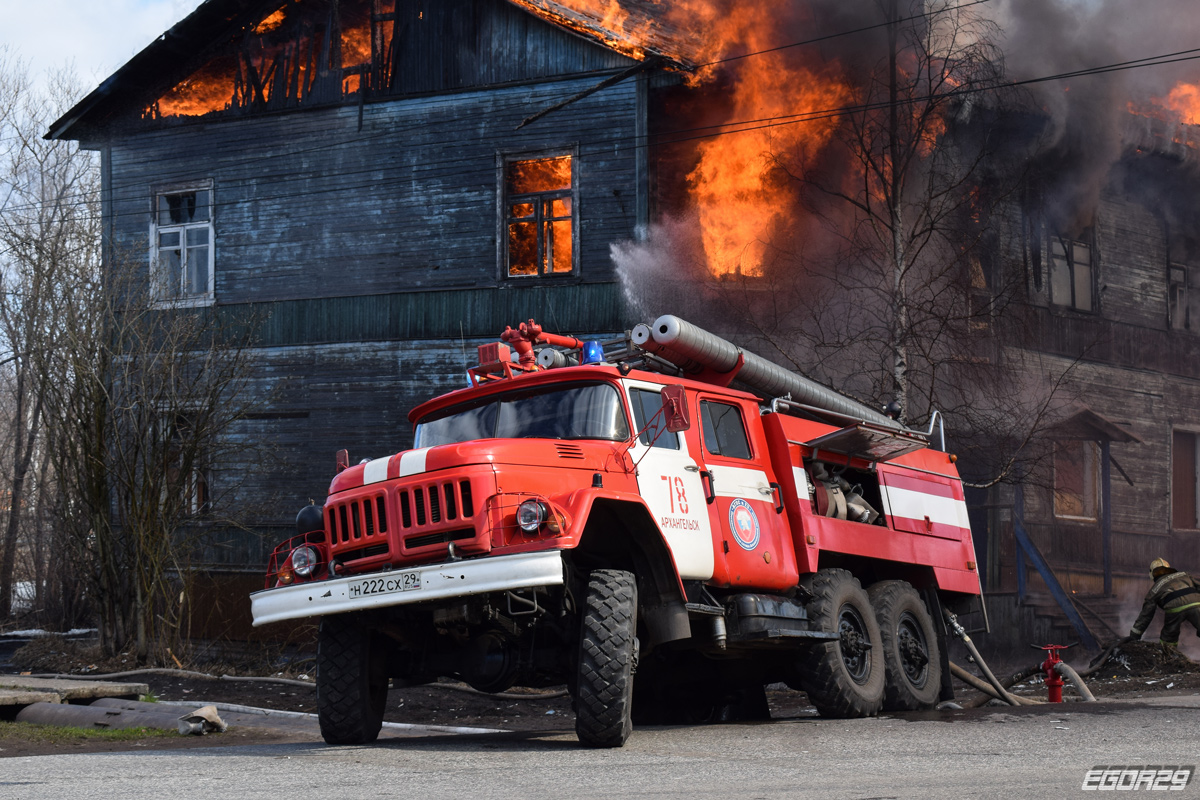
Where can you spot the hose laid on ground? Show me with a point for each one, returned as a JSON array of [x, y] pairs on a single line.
[[1068, 672], [1007, 683], [184, 673], [961, 633], [1102, 659], [988, 689]]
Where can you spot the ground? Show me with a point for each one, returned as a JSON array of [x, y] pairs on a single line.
[[1138, 669]]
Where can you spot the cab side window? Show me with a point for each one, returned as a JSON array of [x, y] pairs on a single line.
[[646, 404], [724, 433]]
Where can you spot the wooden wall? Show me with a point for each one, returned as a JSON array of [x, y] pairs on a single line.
[[310, 206], [1129, 366]]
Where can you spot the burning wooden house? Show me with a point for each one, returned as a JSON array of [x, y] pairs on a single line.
[[390, 182]]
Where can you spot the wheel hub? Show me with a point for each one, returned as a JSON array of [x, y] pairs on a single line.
[[855, 644], [913, 651]]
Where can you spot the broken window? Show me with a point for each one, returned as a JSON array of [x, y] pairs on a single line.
[[1072, 272], [1184, 297], [182, 249], [539, 207], [1076, 480], [1185, 486]]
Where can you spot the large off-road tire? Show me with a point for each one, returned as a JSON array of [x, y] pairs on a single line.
[[352, 682], [607, 659], [913, 666], [843, 677]]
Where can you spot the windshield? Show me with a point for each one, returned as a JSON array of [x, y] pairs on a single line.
[[572, 411]]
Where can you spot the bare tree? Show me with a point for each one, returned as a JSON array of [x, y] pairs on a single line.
[[137, 435], [48, 226]]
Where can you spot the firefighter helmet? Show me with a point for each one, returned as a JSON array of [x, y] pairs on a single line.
[[1158, 564]]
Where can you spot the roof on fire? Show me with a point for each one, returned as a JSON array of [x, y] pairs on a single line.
[[638, 29]]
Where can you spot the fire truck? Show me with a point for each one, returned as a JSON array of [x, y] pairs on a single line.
[[665, 523]]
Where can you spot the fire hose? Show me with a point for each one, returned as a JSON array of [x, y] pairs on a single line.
[[997, 688]]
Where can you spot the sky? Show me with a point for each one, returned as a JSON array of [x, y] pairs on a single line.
[[95, 37]]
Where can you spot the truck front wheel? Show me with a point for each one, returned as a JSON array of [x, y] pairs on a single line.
[[607, 659], [910, 649], [843, 677], [352, 682]]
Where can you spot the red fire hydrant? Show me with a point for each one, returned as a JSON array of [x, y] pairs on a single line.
[[1054, 681]]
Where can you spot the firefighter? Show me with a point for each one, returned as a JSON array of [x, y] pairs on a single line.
[[1177, 594]]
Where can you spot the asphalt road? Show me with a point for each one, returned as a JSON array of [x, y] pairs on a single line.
[[988, 753]]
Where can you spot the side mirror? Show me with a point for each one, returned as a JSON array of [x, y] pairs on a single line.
[[675, 409]]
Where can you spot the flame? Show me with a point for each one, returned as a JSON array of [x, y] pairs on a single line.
[[271, 22], [1174, 117], [1184, 100], [740, 201]]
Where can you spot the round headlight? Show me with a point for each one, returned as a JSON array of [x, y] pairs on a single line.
[[304, 561], [530, 515]]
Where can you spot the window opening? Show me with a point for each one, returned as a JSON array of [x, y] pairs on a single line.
[[724, 433], [182, 238], [646, 405], [1076, 480], [1072, 269], [1185, 480], [540, 217]]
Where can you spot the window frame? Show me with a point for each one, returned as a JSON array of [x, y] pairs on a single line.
[[1086, 239], [1182, 296], [1195, 435], [1093, 474], [157, 294], [644, 428], [503, 203], [704, 416]]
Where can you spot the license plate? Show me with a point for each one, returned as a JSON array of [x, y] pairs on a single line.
[[386, 584]]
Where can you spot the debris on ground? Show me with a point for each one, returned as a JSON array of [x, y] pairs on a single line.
[[1149, 659]]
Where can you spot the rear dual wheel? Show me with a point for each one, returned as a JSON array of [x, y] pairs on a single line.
[[843, 677], [910, 647]]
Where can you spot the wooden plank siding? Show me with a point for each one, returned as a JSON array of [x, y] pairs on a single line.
[[1127, 365], [308, 206]]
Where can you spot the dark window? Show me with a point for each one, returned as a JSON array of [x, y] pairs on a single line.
[[724, 433], [1072, 272], [539, 211], [1076, 480], [572, 411], [1184, 483], [1184, 297], [649, 419]]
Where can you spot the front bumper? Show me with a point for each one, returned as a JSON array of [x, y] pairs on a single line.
[[408, 586]]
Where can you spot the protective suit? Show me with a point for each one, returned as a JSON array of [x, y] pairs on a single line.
[[1177, 594]]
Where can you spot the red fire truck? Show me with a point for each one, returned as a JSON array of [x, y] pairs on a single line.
[[619, 518]]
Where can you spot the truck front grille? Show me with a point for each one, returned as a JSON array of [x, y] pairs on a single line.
[[361, 518]]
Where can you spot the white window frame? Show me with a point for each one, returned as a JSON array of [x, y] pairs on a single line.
[[160, 300]]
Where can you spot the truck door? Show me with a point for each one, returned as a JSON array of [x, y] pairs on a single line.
[[753, 545], [669, 481]]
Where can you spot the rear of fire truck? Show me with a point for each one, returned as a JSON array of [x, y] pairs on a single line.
[[613, 510]]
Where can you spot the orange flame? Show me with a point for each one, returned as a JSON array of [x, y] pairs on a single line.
[[1184, 100], [740, 200]]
